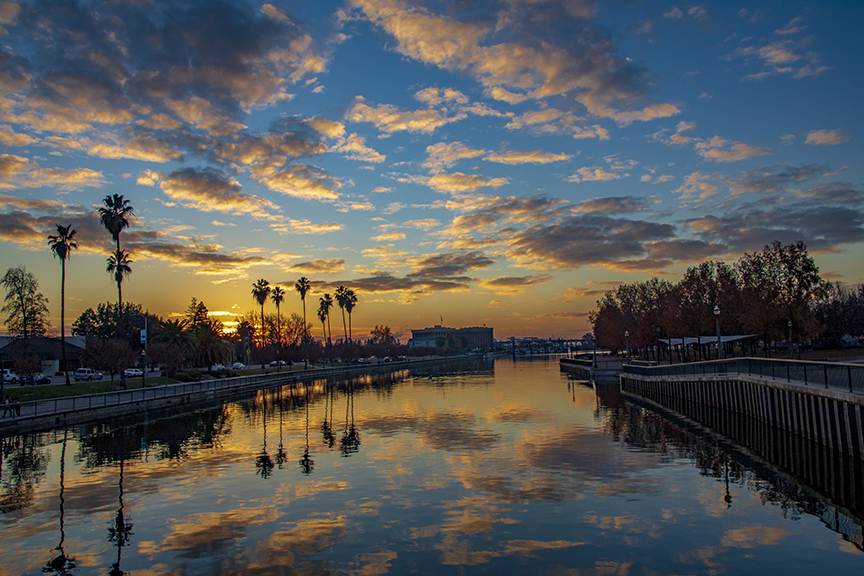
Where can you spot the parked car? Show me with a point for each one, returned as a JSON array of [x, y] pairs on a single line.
[[276, 363], [32, 379], [238, 366], [133, 372], [217, 367], [87, 374], [10, 376]]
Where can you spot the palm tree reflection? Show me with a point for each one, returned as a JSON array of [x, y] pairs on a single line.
[[306, 462], [350, 442], [121, 531], [61, 564], [264, 463], [327, 423], [281, 456]]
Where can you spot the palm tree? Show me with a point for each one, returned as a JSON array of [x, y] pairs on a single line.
[[260, 291], [327, 304], [62, 244], [114, 216], [119, 265], [277, 294], [303, 286], [350, 303], [341, 299], [322, 316]]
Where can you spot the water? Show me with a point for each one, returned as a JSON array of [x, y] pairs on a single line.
[[510, 468]]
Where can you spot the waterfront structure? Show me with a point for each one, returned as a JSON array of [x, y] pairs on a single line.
[[47, 349], [443, 337]]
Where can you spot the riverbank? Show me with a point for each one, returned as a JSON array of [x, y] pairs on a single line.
[[40, 414]]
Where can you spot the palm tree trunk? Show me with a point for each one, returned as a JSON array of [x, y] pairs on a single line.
[[329, 335], [278, 325], [305, 331], [344, 326], [262, 332], [63, 319], [350, 334]]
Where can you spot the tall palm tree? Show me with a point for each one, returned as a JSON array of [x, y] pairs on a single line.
[[303, 286], [114, 216], [260, 291], [350, 303], [119, 265], [322, 316], [62, 244], [327, 304], [277, 294], [341, 299]]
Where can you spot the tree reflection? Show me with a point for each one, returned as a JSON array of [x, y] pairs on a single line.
[[350, 442], [306, 462], [120, 532], [61, 564], [264, 463], [281, 456], [327, 423], [25, 465]]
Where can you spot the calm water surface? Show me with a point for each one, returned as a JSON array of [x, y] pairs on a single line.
[[510, 468]]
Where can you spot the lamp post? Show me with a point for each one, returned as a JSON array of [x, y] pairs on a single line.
[[627, 341], [717, 325]]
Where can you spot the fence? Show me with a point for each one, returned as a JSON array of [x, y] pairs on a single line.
[[58, 406], [847, 377]]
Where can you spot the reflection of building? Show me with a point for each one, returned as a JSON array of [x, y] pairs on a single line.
[[471, 338]]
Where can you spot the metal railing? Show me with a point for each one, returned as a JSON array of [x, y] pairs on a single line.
[[841, 376], [67, 404]]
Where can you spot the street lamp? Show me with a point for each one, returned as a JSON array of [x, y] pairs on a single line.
[[627, 341], [717, 325]]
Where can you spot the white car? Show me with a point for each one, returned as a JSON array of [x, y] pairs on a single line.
[[132, 372], [238, 366], [9, 376], [87, 374], [216, 367]]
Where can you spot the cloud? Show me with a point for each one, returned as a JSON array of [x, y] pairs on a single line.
[[388, 237], [354, 147], [612, 205], [317, 266], [697, 185], [775, 178], [210, 190], [438, 96], [458, 182], [514, 284], [388, 119], [144, 147], [80, 71], [585, 239], [303, 181], [444, 154], [785, 54], [526, 157], [20, 172], [721, 150], [534, 66], [9, 137], [549, 120], [826, 137], [303, 226], [594, 174]]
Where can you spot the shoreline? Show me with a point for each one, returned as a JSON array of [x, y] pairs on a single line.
[[40, 415]]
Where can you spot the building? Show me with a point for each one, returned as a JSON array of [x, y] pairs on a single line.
[[45, 348], [443, 337]]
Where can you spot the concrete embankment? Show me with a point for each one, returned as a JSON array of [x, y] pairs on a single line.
[[827, 416], [44, 414]]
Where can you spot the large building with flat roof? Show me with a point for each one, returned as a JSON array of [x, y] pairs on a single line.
[[443, 337]]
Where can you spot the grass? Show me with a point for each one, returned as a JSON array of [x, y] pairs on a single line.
[[45, 392]]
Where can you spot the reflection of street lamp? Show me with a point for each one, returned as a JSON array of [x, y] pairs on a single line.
[[627, 341], [717, 325], [593, 351]]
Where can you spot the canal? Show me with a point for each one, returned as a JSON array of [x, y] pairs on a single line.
[[490, 467]]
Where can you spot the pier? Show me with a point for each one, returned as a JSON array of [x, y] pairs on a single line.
[[604, 369]]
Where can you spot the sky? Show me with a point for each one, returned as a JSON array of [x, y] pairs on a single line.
[[476, 163]]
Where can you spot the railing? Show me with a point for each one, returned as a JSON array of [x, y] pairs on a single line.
[[847, 377], [58, 406]]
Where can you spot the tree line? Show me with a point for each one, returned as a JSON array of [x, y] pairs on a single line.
[[776, 293]]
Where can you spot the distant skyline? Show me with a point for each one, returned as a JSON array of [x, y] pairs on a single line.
[[498, 163]]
